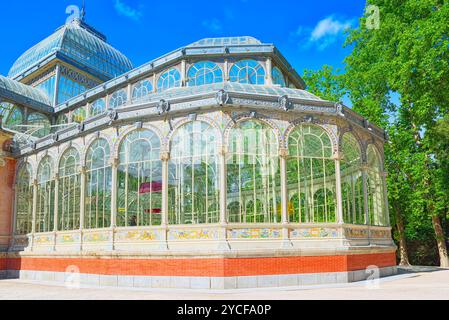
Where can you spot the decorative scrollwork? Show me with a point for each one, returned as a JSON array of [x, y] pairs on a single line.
[[285, 103], [163, 107], [113, 115], [340, 109], [222, 97]]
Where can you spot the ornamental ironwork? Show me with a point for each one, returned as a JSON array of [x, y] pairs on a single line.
[[163, 107]]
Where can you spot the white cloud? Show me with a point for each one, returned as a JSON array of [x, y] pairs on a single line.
[[329, 27], [324, 34], [127, 11]]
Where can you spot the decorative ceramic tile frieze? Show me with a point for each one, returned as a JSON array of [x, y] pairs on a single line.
[[39, 240], [380, 234], [193, 234], [96, 237], [255, 234], [142, 235], [356, 233], [68, 238], [314, 233]]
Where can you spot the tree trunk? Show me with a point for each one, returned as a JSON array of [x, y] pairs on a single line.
[[403, 252], [439, 233], [441, 242]]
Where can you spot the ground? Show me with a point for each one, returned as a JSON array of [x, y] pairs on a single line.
[[416, 284]]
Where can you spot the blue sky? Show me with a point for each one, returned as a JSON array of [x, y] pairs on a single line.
[[308, 33]]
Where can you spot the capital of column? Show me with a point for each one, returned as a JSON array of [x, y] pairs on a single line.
[[165, 156], [83, 170], [222, 150], [338, 156], [114, 163], [284, 153]]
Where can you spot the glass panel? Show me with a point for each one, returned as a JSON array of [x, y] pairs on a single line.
[[79, 115], [142, 89], [253, 171], [48, 86], [352, 181], [247, 72], [24, 211], [99, 186], [12, 116], [375, 189], [311, 180], [45, 197], [170, 79], [194, 195], [97, 107], [278, 77], [140, 180], [69, 191], [68, 89], [39, 125], [118, 99], [204, 72]]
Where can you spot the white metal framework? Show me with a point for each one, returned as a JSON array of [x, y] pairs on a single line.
[[139, 180], [194, 175]]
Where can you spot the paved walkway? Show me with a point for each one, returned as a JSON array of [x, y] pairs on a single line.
[[420, 284]]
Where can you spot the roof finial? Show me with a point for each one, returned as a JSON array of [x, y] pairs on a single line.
[[83, 11]]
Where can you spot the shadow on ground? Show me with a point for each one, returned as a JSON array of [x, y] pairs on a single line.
[[418, 269]]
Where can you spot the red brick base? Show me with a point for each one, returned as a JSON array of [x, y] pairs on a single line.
[[217, 267]]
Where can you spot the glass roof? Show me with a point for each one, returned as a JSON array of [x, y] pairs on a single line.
[[81, 43], [229, 41], [231, 87], [23, 90]]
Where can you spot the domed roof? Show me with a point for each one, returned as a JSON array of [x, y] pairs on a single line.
[[80, 44]]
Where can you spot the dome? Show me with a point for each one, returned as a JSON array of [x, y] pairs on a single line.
[[79, 44]]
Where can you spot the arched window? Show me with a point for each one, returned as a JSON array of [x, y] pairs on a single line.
[[247, 72], [15, 119], [69, 191], [253, 171], [45, 196], [204, 72], [142, 89], [62, 120], [169, 79], [12, 116], [278, 77], [38, 125], [194, 175], [351, 177], [98, 186], [311, 171], [375, 187], [118, 99], [97, 107], [140, 180], [24, 210], [79, 115]]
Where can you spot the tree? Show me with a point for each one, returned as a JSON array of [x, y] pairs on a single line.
[[407, 57]]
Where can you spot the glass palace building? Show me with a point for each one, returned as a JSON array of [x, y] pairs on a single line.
[[210, 167]]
